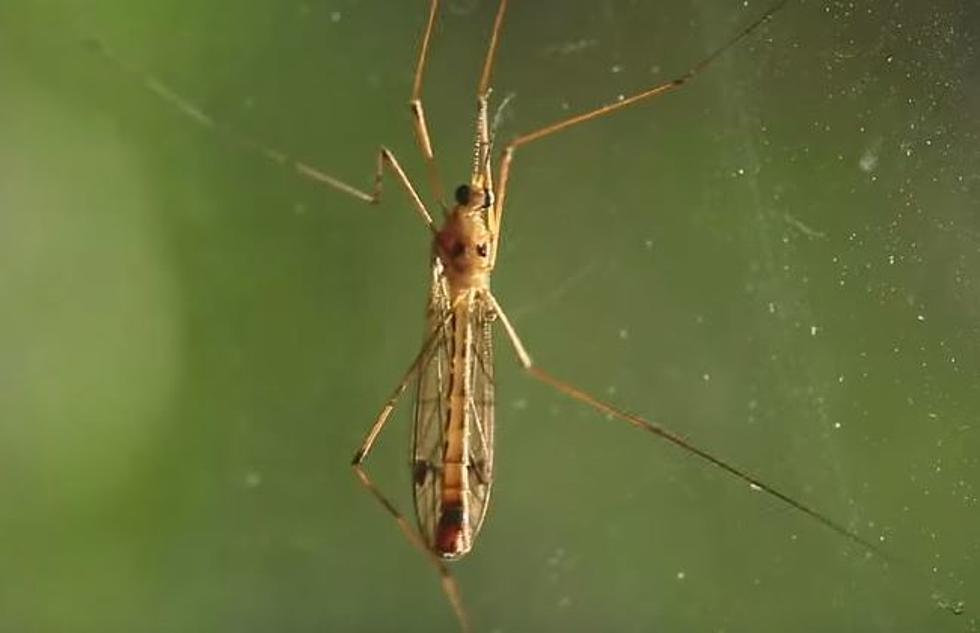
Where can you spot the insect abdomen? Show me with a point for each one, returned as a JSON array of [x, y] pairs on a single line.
[[449, 532]]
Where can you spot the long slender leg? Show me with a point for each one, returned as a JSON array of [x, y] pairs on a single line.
[[195, 114], [643, 95], [484, 88], [448, 582], [418, 111], [675, 439], [385, 157]]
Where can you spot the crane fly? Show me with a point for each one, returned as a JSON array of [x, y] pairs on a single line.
[[452, 447]]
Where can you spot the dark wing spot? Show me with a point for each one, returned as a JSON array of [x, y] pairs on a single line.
[[420, 471], [481, 250], [463, 194]]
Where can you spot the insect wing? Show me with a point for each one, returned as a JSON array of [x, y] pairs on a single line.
[[431, 408], [480, 410]]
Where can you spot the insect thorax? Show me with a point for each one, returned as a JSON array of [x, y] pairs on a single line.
[[463, 245]]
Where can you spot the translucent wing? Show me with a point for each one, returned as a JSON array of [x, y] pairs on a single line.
[[481, 411], [431, 406], [432, 411]]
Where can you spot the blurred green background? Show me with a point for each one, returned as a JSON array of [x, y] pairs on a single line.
[[781, 262]]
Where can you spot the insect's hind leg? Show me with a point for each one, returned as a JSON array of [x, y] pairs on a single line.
[[675, 439], [449, 585]]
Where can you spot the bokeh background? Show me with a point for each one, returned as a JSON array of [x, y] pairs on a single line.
[[781, 262]]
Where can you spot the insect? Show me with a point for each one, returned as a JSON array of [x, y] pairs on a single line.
[[453, 372]]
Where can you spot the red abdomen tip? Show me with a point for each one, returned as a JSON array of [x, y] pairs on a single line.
[[449, 529]]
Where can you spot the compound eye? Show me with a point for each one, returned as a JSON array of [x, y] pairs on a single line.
[[463, 194]]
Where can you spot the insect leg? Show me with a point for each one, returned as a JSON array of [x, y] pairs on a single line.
[[672, 437], [449, 584], [195, 114], [649, 93], [484, 88], [418, 111]]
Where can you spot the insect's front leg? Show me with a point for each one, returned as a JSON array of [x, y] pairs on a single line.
[[419, 124], [646, 94]]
